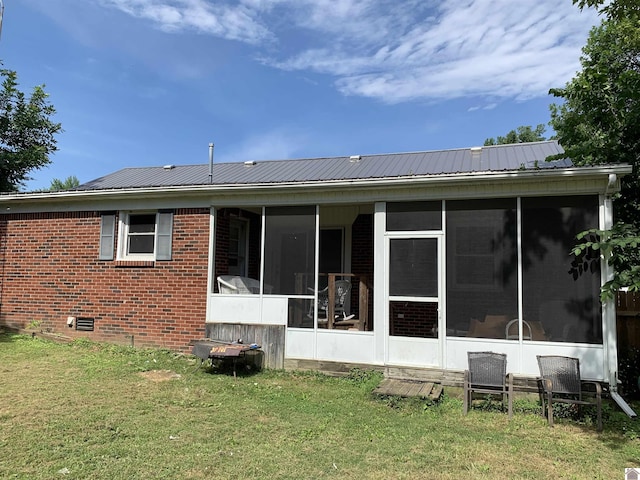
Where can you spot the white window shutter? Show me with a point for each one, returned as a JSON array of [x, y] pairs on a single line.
[[107, 235], [164, 232]]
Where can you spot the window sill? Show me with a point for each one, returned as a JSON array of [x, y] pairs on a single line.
[[134, 263]]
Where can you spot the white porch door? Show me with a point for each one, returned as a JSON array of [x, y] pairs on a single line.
[[413, 300]]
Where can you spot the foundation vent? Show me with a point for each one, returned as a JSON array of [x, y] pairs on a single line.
[[85, 324]]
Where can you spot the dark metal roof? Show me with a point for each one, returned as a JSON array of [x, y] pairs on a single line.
[[522, 156]]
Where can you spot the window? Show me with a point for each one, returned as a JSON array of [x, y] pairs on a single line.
[[145, 236], [141, 234]]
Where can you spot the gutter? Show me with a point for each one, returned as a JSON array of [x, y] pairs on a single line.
[[363, 183]]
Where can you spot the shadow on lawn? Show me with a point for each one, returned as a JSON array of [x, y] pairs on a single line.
[[7, 336], [227, 367]]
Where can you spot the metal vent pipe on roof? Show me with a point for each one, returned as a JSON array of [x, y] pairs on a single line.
[[210, 163]]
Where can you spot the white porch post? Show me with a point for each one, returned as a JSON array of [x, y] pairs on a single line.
[[380, 309], [212, 259]]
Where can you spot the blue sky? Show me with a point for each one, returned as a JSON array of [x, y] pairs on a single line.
[[152, 82]]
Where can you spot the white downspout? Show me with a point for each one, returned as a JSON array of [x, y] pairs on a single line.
[[609, 309]]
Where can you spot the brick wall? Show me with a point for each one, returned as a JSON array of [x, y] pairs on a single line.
[[362, 260], [413, 319], [49, 270]]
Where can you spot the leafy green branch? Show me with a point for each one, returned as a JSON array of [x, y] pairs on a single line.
[[619, 246]]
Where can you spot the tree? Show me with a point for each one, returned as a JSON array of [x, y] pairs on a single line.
[[66, 184], [522, 134], [620, 246], [616, 9], [27, 134], [599, 123]]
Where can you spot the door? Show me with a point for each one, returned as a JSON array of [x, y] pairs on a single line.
[[414, 298]]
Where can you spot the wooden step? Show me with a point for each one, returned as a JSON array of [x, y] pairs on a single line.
[[408, 388]]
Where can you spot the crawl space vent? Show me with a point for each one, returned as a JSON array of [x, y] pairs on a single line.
[[85, 324]]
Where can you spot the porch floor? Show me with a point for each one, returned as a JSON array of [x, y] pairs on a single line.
[[409, 388]]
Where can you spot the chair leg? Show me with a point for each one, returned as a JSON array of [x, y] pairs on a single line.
[[542, 399], [465, 406], [466, 392], [550, 409], [510, 393]]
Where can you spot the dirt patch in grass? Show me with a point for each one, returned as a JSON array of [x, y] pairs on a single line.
[[160, 375]]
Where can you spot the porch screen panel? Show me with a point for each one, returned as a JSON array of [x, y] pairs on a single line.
[[230, 240], [565, 303], [413, 267], [289, 253], [482, 261], [414, 216]]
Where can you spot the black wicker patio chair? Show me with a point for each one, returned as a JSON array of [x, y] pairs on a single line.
[[560, 382], [487, 374]]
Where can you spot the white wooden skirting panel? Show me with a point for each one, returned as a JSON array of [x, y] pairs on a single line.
[[413, 352], [300, 343], [457, 349], [345, 346], [522, 361], [336, 345], [591, 357], [247, 309]]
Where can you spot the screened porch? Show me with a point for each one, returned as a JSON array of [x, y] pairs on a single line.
[[295, 258]]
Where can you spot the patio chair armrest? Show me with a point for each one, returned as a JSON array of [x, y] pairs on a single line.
[[546, 383], [597, 387], [322, 290], [224, 283]]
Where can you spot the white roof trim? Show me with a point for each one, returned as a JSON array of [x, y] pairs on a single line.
[[367, 184]]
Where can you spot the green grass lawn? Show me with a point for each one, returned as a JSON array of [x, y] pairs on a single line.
[[85, 410]]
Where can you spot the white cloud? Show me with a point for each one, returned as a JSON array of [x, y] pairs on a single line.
[[396, 51], [213, 18], [488, 106], [464, 48]]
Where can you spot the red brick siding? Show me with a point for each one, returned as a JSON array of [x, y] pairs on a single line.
[[50, 270], [420, 319]]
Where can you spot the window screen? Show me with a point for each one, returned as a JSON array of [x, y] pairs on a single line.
[[413, 267], [414, 216], [289, 265], [482, 261], [565, 303]]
